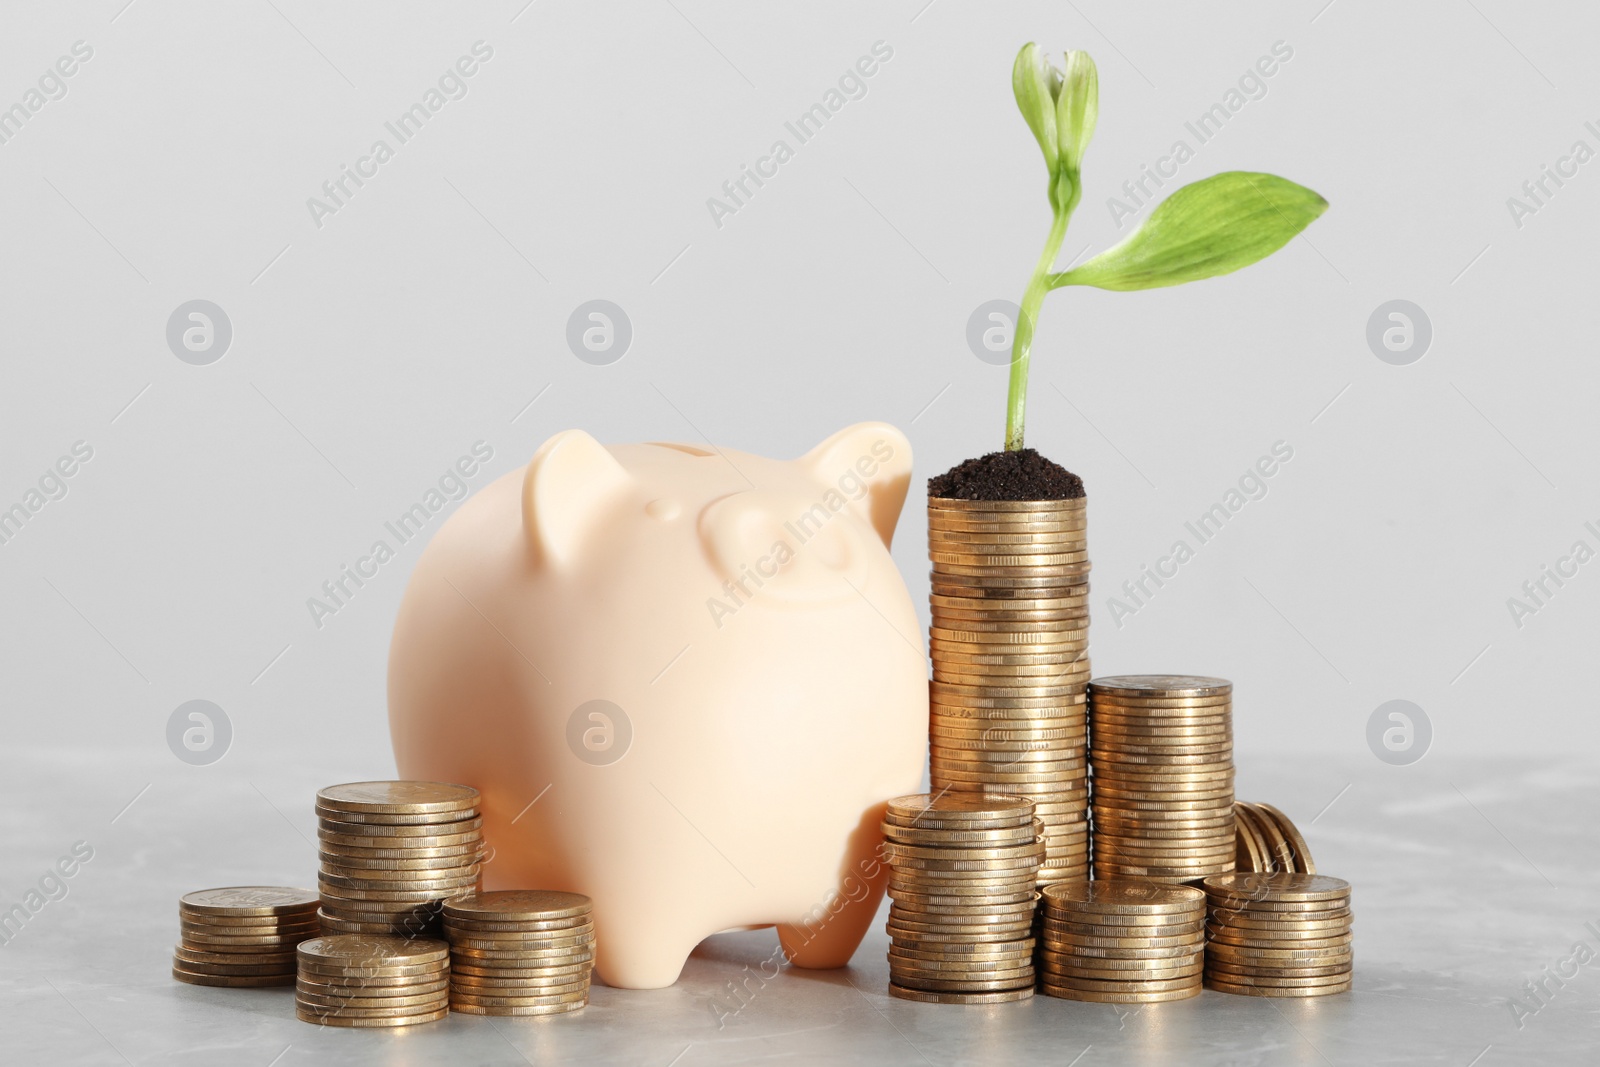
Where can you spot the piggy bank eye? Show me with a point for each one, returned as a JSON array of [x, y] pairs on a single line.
[[784, 550]]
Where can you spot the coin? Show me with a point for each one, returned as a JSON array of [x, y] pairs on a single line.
[[1076, 950], [306, 1015], [395, 818], [1118, 996], [347, 948], [501, 905], [1124, 898], [345, 1004], [404, 798], [929, 997], [235, 981], [1271, 991], [959, 811], [193, 966], [1161, 685], [246, 901], [1301, 852], [1284, 886]]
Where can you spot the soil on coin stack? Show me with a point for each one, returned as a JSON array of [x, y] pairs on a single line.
[[1019, 475]]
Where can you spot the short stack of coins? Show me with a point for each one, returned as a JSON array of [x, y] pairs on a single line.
[[243, 935], [519, 952], [372, 980], [1009, 644], [962, 888], [393, 852], [1162, 752], [1121, 942], [1266, 840], [1278, 935]]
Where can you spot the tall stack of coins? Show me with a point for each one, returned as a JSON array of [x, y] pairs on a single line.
[[392, 852], [1278, 935], [243, 935], [1162, 752], [519, 952], [1121, 942], [962, 875], [1009, 643], [1266, 840], [372, 980]]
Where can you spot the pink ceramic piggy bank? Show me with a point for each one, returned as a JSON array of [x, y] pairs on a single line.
[[685, 681]]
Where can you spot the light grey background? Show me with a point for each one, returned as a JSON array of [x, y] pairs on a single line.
[[430, 313]]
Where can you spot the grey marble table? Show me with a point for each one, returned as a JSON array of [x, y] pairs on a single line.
[[1470, 882]]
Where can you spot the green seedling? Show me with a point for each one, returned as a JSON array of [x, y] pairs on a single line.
[[1210, 227]]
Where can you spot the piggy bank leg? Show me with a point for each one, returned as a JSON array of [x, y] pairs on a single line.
[[636, 948], [831, 935]]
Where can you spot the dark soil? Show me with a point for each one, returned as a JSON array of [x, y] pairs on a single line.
[[1020, 475]]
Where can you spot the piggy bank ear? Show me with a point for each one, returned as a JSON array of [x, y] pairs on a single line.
[[572, 482], [870, 465]]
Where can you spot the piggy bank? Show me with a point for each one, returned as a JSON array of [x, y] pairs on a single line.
[[685, 680]]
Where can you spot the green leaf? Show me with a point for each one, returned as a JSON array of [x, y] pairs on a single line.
[[1214, 226], [1034, 82]]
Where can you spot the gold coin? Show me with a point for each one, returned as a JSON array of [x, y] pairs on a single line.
[[948, 883], [424, 867], [458, 996], [352, 856], [1268, 909], [360, 971], [354, 948], [1293, 954], [1280, 981], [1216, 805], [233, 981], [1267, 991], [523, 947], [193, 954], [1117, 997], [245, 901], [1110, 985], [571, 931], [1224, 889], [964, 985], [1278, 847], [396, 818], [399, 798], [194, 966], [975, 951], [943, 933], [1301, 852], [347, 842], [915, 836], [1121, 952], [1022, 898], [381, 830], [1146, 972], [1246, 925], [394, 1020], [1162, 685], [417, 919], [1223, 968], [391, 883], [505, 904], [371, 984], [1125, 898], [344, 1004], [1145, 776], [524, 954], [329, 1013], [959, 811], [525, 1010], [928, 997], [268, 942], [575, 971], [1159, 924], [962, 506], [1336, 938]]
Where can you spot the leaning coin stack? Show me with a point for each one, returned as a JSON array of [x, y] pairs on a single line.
[[962, 875], [1162, 752], [372, 980], [1267, 841], [243, 935], [392, 852], [519, 952], [1122, 942], [1009, 644], [1278, 935]]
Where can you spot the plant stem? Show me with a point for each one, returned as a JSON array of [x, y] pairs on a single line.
[[1022, 344]]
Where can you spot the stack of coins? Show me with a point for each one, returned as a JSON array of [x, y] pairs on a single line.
[[1009, 643], [372, 980], [1267, 841], [1123, 942], [962, 876], [1162, 752], [243, 935], [519, 952], [392, 852], [1278, 935]]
